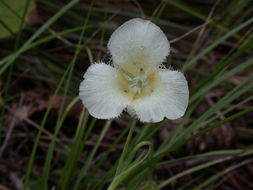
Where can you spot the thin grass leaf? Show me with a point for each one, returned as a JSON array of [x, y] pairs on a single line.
[[35, 35], [216, 43], [91, 155]]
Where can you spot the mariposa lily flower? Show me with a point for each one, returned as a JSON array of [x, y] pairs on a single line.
[[136, 81]]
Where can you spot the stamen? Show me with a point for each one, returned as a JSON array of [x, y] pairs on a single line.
[[137, 79]]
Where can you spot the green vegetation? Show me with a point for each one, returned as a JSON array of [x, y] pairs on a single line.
[[49, 141]]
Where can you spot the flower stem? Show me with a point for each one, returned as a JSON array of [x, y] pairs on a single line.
[[120, 166]]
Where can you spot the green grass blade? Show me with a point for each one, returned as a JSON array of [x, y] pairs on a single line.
[[35, 35], [216, 43], [91, 155], [37, 139]]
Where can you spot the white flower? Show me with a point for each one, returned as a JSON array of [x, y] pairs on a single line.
[[136, 81]]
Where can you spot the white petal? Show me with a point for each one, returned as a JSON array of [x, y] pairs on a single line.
[[138, 40], [170, 99], [100, 93]]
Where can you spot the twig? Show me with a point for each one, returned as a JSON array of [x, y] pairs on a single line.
[[218, 112], [68, 43], [16, 181], [8, 136], [230, 169], [37, 126], [10, 129], [101, 26], [202, 31], [188, 33]]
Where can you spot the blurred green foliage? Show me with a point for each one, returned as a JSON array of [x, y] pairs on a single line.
[[12, 13]]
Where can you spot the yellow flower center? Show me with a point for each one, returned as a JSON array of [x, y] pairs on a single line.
[[137, 80]]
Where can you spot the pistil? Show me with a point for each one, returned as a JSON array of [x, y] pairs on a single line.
[[137, 80]]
